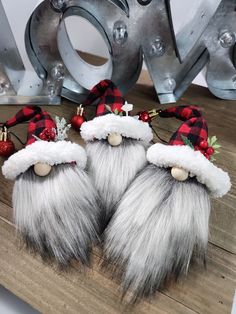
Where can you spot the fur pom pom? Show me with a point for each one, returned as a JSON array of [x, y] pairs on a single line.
[[158, 225], [112, 169], [57, 215]]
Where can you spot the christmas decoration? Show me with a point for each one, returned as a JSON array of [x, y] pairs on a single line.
[[7, 147], [116, 144], [154, 237], [148, 116], [78, 119], [55, 204]]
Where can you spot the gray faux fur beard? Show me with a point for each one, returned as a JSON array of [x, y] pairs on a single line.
[[57, 215], [158, 225], [113, 169]]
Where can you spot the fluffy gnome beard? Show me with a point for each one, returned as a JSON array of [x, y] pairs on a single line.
[[158, 225], [114, 168], [57, 215]]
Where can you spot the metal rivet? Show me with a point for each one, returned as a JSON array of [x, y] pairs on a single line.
[[58, 72], [58, 4], [234, 80], [170, 84], [51, 90], [157, 48], [227, 39], [203, 14], [4, 87], [144, 2], [120, 34]]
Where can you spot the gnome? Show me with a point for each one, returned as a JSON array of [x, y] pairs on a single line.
[[55, 204], [161, 223], [116, 144]]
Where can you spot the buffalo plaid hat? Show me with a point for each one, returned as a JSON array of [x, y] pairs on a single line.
[[111, 117], [188, 149], [42, 145]]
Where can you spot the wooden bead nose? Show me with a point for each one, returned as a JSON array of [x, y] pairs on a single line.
[[42, 170], [114, 139], [179, 174]]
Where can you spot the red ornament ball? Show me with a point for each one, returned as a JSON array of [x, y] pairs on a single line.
[[203, 144], [145, 117], [77, 121], [210, 151], [7, 148]]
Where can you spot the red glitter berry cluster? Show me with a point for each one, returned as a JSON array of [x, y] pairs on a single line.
[[47, 135], [144, 116], [205, 149]]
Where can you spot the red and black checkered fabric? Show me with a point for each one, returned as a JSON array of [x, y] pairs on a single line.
[[183, 113], [38, 124], [24, 115], [108, 94], [194, 128], [39, 121]]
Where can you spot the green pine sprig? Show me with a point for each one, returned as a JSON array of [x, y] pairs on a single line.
[[116, 111], [187, 142]]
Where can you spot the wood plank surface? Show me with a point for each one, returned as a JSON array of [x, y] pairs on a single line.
[[92, 291], [77, 291]]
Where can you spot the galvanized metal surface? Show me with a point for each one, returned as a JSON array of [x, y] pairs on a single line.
[[11, 66], [219, 39], [133, 30]]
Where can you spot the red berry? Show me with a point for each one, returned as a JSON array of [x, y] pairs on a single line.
[[47, 135], [203, 144], [207, 156], [210, 151], [144, 116], [199, 149]]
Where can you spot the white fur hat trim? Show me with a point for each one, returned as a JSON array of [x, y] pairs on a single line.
[[100, 127], [216, 180], [52, 153]]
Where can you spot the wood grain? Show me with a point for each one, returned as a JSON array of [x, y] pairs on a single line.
[[51, 291], [77, 291]]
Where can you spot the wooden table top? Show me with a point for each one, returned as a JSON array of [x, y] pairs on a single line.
[[91, 291]]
